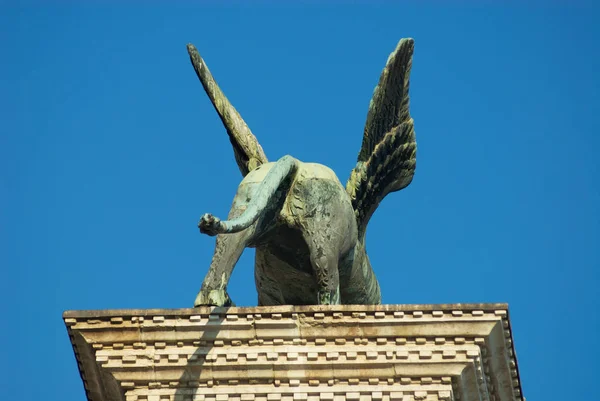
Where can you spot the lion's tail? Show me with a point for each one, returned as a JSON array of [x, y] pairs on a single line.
[[282, 169]]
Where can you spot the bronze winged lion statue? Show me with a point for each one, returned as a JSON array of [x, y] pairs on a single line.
[[308, 230]]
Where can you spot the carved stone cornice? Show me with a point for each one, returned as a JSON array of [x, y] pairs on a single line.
[[302, 353]]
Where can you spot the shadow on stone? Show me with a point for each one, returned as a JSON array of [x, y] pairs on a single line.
[[198, 375]]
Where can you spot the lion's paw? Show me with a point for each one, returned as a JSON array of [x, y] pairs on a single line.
[[213, 298]]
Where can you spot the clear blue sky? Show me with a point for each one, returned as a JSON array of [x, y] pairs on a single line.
[[110, 152]]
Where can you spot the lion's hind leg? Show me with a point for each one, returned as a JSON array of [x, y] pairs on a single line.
[[326, 218]]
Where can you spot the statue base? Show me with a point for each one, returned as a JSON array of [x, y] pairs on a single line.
[[297, 353]]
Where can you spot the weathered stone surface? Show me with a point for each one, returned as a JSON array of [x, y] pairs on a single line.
[[333, 353]]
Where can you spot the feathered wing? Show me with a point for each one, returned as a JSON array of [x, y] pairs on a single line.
[[387, 159], [248, 152]]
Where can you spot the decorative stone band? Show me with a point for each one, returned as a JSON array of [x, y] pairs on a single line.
[[297, 353]]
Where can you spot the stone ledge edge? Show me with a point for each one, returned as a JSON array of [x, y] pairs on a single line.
[[486, 307]]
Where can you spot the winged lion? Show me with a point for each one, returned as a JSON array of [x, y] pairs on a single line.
[[308, 229]]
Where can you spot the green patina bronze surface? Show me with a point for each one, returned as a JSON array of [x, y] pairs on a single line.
[[308, 230]]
